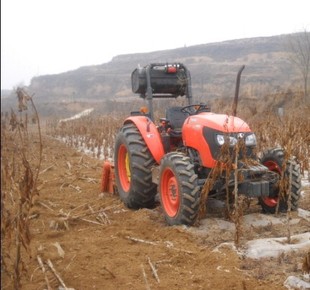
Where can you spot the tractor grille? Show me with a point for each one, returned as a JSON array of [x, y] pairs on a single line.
[[210, 137]]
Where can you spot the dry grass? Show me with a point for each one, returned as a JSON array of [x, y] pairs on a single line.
[[95, 134], [290, 131], [21, 151], [20, 165]]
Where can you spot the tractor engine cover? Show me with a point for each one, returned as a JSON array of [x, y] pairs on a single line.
[[164, 80]]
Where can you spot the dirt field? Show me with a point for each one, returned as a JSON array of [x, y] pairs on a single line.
[[94, 242]]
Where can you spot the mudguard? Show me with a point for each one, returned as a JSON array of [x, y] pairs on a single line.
[[149, 134]]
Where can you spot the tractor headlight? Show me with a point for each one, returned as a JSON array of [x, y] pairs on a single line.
[[250, 140], [221, 140]]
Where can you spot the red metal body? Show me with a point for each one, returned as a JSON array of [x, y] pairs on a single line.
[[150, 135], [192, 132]]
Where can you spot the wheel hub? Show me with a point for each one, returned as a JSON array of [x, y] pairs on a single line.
[[170, 194]]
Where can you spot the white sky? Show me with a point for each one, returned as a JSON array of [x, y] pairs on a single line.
[[41, 37]]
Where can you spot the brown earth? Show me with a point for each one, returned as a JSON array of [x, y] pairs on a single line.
[[94, 242]]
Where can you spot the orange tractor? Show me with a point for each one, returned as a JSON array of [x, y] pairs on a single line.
[[177, 157]]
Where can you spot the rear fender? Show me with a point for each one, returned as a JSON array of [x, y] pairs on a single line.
[[149, 134]]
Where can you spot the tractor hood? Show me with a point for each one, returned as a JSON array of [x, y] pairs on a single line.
[[218, 122], [204, 133]]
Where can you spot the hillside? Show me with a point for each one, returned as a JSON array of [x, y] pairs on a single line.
[[213, 68]]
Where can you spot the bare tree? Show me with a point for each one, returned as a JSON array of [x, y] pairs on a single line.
[[299, 47]]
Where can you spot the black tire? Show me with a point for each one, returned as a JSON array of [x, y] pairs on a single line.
[[274, 160], [133, 162], [178, 189]]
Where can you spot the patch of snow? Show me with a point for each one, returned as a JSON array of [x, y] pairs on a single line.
[[88, 146], [249, 220], [293, 282], [305, 183], [78, 116], [269, 247], [262, 220], [225, 225], [305, 214], [273, 247], [305, 179]]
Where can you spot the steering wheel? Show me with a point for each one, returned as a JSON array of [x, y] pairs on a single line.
[[195, 109]]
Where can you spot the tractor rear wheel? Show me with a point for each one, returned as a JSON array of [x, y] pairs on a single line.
[[274, 160], [133, 162], [178, 189]]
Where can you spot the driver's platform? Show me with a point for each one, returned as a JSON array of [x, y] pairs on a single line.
[[176, 118]]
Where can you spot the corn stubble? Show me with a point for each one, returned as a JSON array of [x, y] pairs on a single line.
[[20, 166], [20, 163]]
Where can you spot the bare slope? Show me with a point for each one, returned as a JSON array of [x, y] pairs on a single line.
[[213, 67]]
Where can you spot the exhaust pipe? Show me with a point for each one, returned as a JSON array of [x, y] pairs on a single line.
[[235, 103]]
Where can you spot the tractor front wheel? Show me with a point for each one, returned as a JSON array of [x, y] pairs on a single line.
[[289, 184], [178, 189], [133, 162]]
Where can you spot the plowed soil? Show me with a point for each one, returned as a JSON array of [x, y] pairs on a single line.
[[92, 241]]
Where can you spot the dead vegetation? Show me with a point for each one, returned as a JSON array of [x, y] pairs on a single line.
[[20, 167], [22, 179], [279, 120]]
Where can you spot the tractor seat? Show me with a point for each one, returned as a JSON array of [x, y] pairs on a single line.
[[176, 119]]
